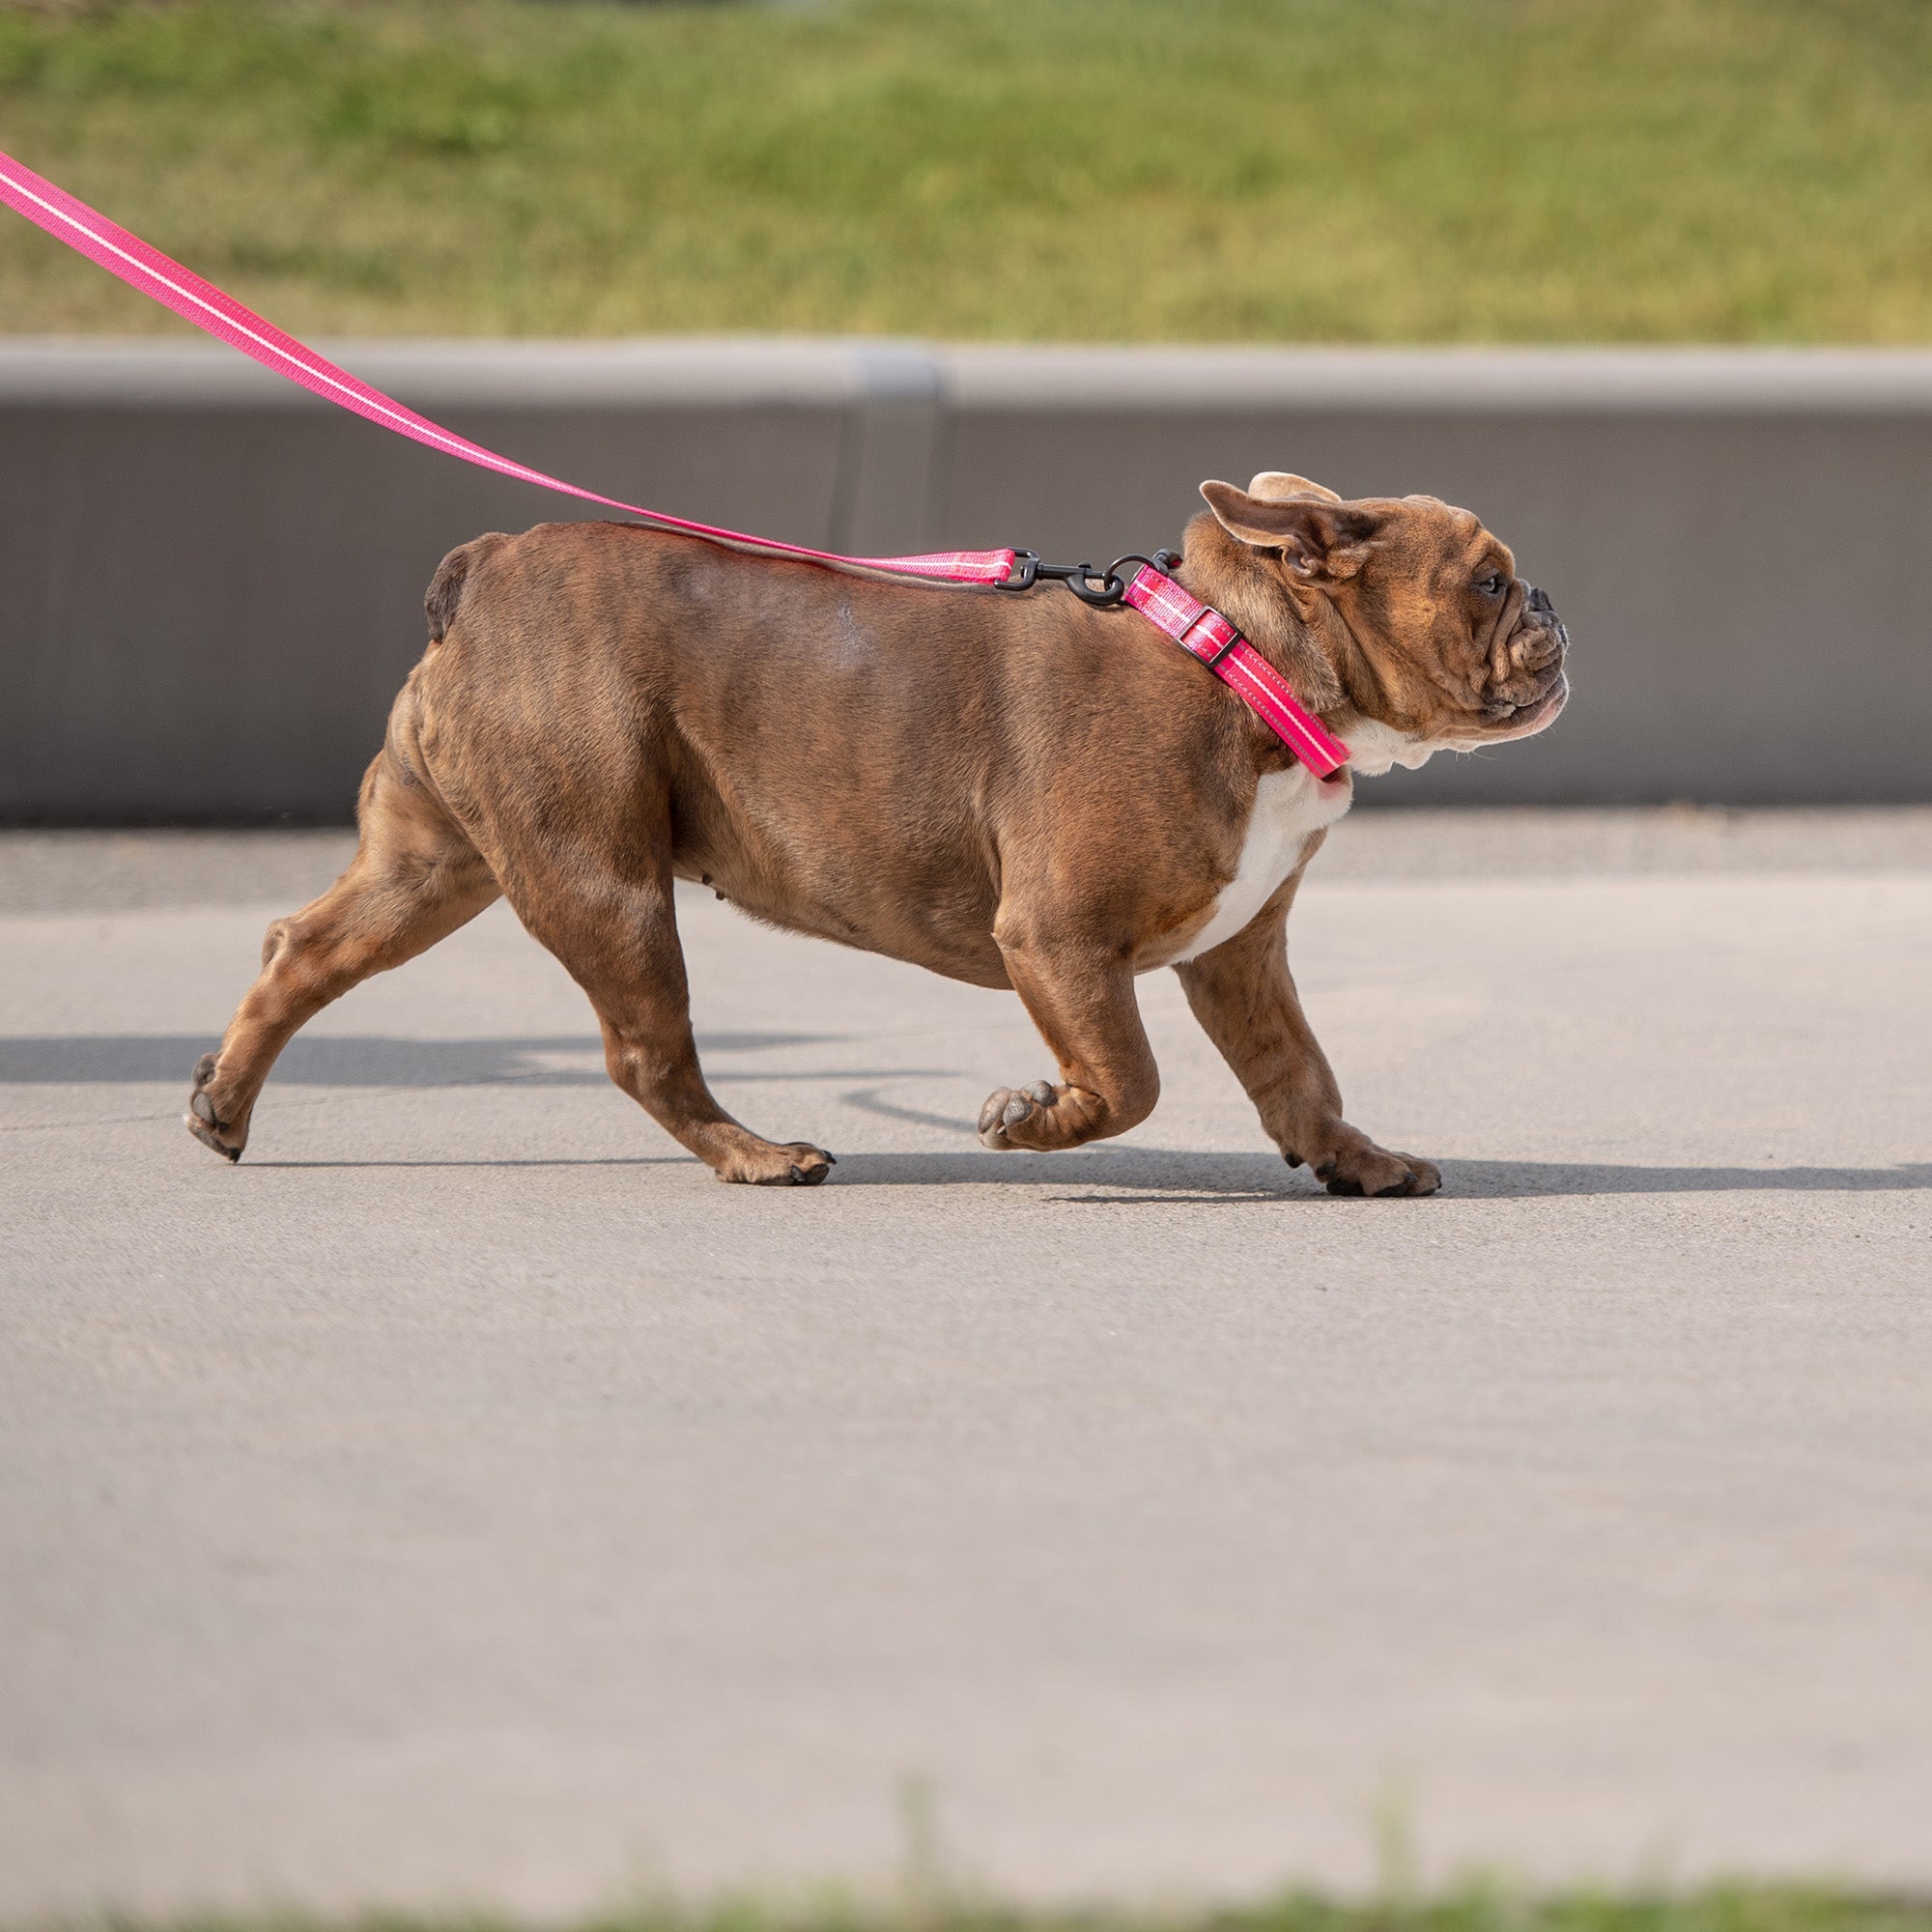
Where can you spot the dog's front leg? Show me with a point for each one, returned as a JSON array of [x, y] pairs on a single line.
[[1081, 997], [1243, 995]]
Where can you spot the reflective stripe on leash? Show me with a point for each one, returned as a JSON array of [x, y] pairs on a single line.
[[164, 280], [1196, 627]]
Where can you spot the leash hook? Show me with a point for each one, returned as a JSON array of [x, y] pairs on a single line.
[[1097, 588], [1100, 588]]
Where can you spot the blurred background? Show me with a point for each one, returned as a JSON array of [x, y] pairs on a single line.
[[1643, 282], [1266, 171]]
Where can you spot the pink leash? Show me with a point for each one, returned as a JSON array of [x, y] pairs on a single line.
[[111, 247], [1199, 629]]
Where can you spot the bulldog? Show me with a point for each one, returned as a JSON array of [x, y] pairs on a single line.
[[1018, 791]]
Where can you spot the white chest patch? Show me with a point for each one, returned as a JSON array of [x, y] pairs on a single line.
[[1289, 807]]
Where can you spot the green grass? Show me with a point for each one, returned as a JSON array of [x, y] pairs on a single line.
[[1275, 170], [1474, 1908]]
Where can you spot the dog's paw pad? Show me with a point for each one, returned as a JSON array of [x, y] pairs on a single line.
[[203, 1121], [1010, 1107], [209, 1135]]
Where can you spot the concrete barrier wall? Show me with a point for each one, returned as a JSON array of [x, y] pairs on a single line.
[[212, 582]]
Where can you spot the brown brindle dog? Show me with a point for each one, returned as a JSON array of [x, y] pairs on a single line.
[[1016, 791]]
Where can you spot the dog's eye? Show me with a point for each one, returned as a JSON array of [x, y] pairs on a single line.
[[1494, 584]]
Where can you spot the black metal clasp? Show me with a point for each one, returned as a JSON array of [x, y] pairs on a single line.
[[1098, 587]]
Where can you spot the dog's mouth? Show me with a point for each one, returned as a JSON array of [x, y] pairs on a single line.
[[1375, 746], [1506, 719]]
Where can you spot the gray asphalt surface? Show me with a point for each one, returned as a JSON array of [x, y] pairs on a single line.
[[467, 1500]]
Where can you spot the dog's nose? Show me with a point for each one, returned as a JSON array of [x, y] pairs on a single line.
[[1541, 608]]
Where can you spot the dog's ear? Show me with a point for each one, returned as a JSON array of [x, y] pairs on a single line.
[[1277, 486], [1320, 538]]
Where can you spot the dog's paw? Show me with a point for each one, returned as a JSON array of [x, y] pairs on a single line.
[[1003, 1118], [1368, 1169], [795, 1164], [203, 1121]]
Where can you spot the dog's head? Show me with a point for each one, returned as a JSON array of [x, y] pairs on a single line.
[[1402, 617]]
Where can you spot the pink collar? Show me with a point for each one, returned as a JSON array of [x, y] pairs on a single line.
[[1202, 631]]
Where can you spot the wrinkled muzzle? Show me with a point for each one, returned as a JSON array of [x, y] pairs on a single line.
[[1527, 686]]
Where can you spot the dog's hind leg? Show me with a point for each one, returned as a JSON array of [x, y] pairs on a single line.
[[613, 922], [413, 880]]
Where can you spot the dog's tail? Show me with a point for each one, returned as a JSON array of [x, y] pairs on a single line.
[[445, 596]]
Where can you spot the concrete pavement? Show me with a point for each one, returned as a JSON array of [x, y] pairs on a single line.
[[467, 1500]]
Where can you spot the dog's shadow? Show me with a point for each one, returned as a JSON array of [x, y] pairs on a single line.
[[354, 1059], [1109, 1175], [1145, 1177], [1141, 1176]]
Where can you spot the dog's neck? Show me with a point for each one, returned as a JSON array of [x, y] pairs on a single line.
[[1230, 574]]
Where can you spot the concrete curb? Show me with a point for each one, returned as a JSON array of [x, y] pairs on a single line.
[[215, 580]]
